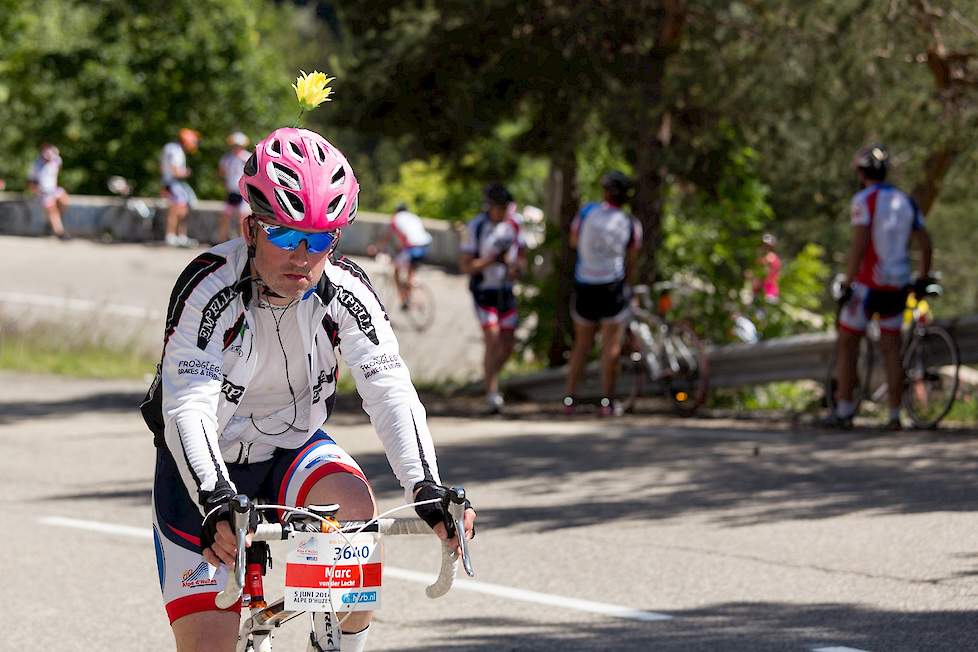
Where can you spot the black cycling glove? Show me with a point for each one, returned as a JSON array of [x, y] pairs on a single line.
[[845, 295], [217, 508], [435, 513], [921, 285]]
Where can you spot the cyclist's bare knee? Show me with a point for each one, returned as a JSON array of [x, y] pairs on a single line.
[[206, 631], [353, 495]]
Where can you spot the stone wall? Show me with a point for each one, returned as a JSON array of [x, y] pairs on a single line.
[[142, 220]]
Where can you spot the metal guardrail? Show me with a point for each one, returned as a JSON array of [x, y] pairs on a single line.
[[799, 357]]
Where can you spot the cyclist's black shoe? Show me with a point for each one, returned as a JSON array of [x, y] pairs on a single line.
[[835, 422]]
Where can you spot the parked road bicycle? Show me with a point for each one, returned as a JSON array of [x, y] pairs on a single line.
[[662, 356], [930, 360], [349, 561], [133, 220], [419, 311]]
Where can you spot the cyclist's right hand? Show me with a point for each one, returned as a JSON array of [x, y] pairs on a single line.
[[845, 293], [218, 542]]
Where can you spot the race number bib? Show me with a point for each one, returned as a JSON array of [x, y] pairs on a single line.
[[324, 569]]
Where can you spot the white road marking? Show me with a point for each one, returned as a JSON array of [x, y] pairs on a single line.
[[497, 590], [523, 595], [45, 301], [837, 649], [95, 526]]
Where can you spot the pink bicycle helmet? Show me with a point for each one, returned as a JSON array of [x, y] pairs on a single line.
[[301, 181]]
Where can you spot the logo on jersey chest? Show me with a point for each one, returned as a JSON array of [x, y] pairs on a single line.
[[359, 312]]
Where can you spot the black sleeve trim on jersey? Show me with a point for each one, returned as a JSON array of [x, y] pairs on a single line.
[[345, 263], [198, 269], [186, 458], [152, 408], [424, 462], [221, 481]]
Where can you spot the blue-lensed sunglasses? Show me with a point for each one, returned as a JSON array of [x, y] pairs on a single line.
[[288, 239]]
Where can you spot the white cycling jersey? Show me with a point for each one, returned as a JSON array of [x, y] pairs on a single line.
[[214, 346], [891, 217], [605, 235], [501, 240], [231, 166], [173, 160], [44, 173], [409, 230]]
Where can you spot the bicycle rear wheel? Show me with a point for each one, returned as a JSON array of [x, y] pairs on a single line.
[[931, 364], [421, 310], [687, 386]]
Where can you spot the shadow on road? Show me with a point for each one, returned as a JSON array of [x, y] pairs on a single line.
[[14, 411], [662, 473], [744, 627]]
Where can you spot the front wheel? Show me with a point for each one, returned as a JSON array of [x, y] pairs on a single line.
[[421, 308], [931, 364], [687, 384]]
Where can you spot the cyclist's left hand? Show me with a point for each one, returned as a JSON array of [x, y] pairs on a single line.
[[442, 533], [436, 514]]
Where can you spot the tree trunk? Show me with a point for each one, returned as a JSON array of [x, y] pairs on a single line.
[[653, 132], [565, 202], [936, 167]]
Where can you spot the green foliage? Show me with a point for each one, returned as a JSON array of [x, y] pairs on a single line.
[[427, 190], [711, 239], [111, 82]]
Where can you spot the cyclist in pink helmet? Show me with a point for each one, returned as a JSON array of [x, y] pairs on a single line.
[[248, 380]]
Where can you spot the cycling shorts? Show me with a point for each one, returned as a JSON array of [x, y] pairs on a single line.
[[180, 193], [410, 257], [496, 308], [887, 305], [600, 303], [49, 199], [234, 199], [189, 584]]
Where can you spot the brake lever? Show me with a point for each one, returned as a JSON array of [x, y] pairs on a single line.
[[456, 509]]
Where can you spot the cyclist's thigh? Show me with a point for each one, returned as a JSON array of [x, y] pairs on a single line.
[[207, 630], [302, 476], [188, 583]]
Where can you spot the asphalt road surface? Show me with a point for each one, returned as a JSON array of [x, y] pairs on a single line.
[[645, 533]]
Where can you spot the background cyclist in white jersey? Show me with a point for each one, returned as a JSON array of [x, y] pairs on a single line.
[[494, 255], [43, 180], [230, 168], [248, 378], [413, 240], [607, 240], [173, 179], [884, 221]]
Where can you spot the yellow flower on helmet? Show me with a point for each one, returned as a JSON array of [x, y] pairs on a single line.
[[312, 89]]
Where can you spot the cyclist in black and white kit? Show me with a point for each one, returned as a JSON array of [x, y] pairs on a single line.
[[494, 255], [607, 240], [248, 380]]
